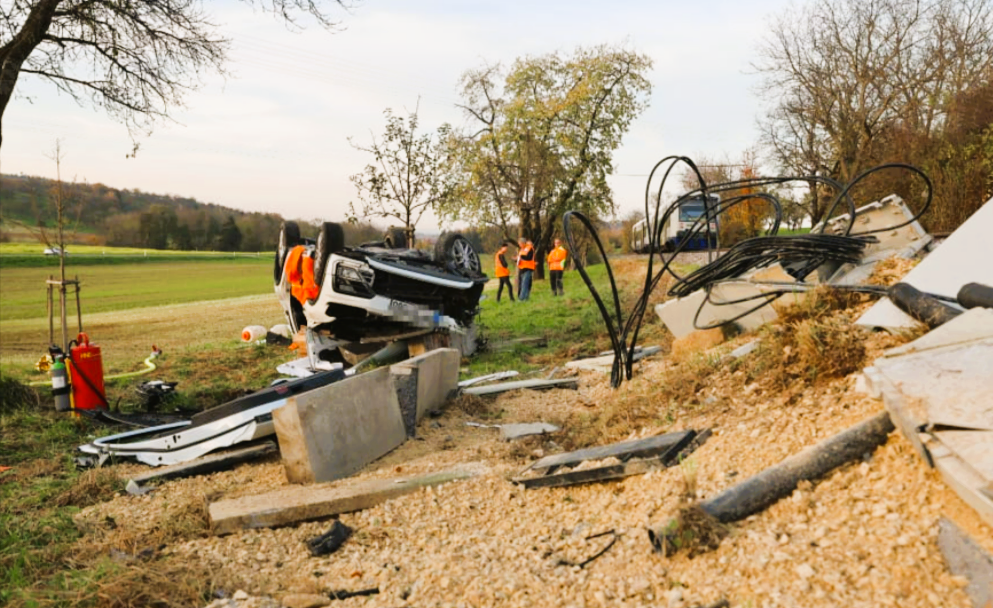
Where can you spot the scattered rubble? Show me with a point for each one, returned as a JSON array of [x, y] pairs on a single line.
[[330, 541]]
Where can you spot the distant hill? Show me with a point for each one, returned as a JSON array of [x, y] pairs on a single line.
[[103, 215]]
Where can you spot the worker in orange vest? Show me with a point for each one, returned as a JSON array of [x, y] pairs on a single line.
[[503, 272], [556, 264], [300, 275], [525, 267]]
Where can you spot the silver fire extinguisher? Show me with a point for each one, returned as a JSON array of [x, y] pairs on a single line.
[[60, 386]]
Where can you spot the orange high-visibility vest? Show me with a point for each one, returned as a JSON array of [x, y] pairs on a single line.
[[556, 258], [501, 269], [300, 275], [526, 264]]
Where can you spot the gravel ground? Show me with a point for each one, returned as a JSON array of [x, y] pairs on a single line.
[[864, 536]]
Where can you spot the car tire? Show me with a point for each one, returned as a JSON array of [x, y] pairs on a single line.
[[330, 240], [289, 237], [455, 251], [396, 238]]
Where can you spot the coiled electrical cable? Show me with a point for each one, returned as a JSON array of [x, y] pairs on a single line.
[[799, 255]]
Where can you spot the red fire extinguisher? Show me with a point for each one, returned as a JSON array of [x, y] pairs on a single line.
[[86, 371]]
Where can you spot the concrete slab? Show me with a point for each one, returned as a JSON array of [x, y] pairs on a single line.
[[965, 558], [890, 211], [636, 466], [959, 260], [536, 384], [969, 326], [509, 432], [635, 448], [938, 390], [487, 378], [424, 383], [293, 504], [334, 431], [605, 362], [744, 350], [948, 372], [679, 314]]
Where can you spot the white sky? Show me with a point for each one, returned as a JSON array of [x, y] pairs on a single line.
[[273, 136]]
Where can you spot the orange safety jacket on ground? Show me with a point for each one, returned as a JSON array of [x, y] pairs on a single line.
[[556, 258], [300, 275], [525, 259], [501, 266]]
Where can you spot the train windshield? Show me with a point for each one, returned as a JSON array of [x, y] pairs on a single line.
[[690, 211]]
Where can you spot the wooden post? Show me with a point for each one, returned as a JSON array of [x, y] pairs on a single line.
[[51, 313], [79, 312]]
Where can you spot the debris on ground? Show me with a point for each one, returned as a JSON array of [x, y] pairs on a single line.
[[944, 271], [835, 509], [612, 468], [965, 558], [534, 385], [939, 391], [294, 504], [517, 430], [143, 483], [330, 541]]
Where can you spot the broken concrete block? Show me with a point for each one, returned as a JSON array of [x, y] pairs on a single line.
[[293, 504], [604, 363], [424, 383], [965, 558], [509, 432], [635, 466], [535, 385], [334, 431], [679, 314], [942, 381], [635, 448], [903, 242], [744, 350], [944, 271]]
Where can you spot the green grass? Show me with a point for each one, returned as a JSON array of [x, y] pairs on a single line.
[[786, 232], [23, 291], [37, 249], [571, 323]]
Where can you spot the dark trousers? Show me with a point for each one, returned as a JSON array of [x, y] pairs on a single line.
[[556, 278], [510, 288]]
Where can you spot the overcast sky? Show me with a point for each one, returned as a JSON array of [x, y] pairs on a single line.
[[273, 136]]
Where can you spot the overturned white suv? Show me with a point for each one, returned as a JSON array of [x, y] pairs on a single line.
[[377, 290]]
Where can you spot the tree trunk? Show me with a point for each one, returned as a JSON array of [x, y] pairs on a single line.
[[16, 51]]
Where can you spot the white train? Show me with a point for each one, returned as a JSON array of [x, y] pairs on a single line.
[[678, 227]]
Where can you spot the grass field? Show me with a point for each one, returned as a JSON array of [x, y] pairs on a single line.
[[120, 287], [35, 249]]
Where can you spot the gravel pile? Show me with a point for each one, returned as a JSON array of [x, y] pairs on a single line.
[[864, 536]]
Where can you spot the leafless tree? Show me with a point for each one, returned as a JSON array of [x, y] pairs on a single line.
[[841, 73], [135, 58], [411, 173]]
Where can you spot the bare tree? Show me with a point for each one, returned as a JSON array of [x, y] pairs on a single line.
[[412, 173], [842, 73], [135, 58]]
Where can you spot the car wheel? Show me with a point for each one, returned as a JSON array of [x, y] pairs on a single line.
[[456, 250], [330, 240], [289, 237], [396, 238]]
